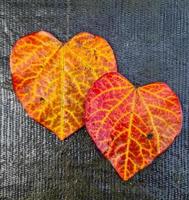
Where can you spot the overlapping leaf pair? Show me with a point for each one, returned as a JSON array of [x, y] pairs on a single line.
[[64, 86]]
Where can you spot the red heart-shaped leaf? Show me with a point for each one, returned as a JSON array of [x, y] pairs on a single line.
[[51, 79], [131, 126]]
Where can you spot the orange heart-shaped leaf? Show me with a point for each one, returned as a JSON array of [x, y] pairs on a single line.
[[51, 79], [131, 126]]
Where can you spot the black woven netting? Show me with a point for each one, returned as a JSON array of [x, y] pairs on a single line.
[[151, 41]]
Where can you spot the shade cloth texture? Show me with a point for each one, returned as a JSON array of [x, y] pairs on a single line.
[[151, 42]]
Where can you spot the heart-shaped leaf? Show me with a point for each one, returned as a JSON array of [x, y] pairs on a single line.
[[51, 79], [131, 126]]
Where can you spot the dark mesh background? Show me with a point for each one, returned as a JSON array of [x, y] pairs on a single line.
[[151, 41]]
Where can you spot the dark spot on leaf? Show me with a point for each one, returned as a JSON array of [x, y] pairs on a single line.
[[42, 99], [95, 55], [149, 136]]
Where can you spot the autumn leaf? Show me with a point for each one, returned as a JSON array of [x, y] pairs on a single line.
[[131, 126], [51, 79]]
